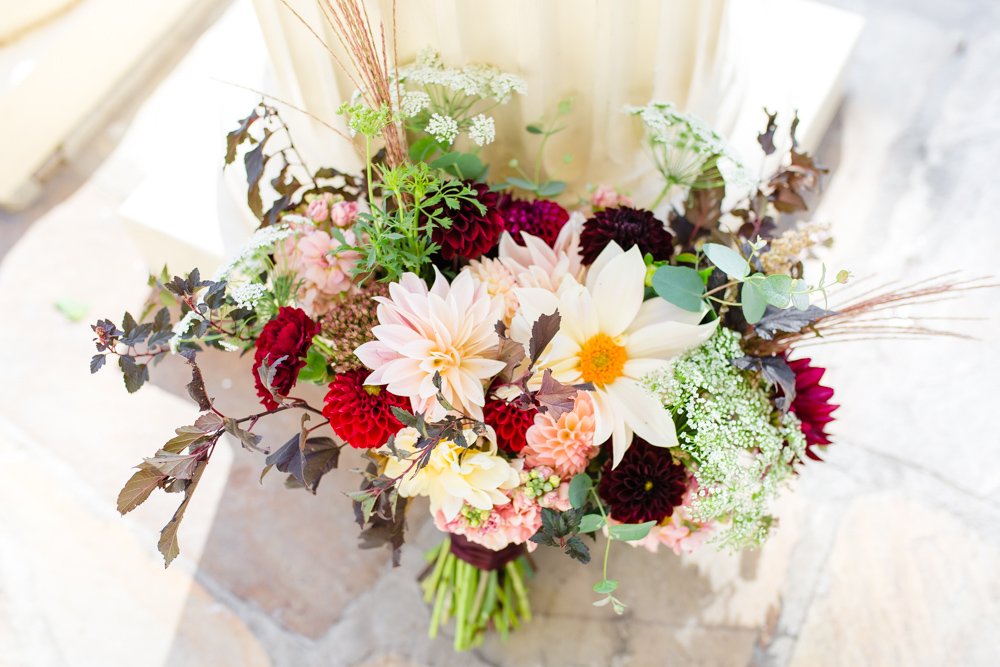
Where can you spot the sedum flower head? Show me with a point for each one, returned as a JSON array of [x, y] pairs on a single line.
[[741, 449]]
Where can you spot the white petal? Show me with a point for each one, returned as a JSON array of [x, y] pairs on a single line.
[[658, 310], [611, 251], [643, 413], [618, 291], [667, 340], [604, 417]]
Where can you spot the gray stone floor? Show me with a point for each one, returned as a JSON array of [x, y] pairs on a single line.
[[887, 554]]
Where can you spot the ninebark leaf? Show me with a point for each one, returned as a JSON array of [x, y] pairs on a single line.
[[137, 489], [168, 544]]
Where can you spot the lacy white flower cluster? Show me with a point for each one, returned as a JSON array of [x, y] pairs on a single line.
[[482, 81], [449, 97], [683, 145]]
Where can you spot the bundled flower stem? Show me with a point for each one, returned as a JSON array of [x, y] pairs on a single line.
[[477, 598]]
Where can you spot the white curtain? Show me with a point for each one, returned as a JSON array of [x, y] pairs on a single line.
[[604, 54]]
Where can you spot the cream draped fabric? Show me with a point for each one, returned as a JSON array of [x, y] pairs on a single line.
[[604, 54]]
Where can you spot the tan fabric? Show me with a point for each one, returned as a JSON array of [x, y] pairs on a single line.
[[602, 53], [18, 17]]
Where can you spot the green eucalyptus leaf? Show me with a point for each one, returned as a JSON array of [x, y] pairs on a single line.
[[777, 290], [522, 183], [606, 587], [579, 488], [681, 286], [728, 260], [534, 129], [591, 522], [630, 532], [551, 188], [752, 302]]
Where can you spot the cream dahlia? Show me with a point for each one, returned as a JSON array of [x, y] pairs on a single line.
[[499, 282], [535, 264], [565, 444], [609, 337], [454, 476], [448, 329]]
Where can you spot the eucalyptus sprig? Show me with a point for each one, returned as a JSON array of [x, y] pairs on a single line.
[[545, 128], [685, 286]]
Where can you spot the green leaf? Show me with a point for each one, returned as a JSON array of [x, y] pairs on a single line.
[[551, 188], [629, 532], [777, 290], [687, 258], [800, 295], [606, 587], [522, 183], [680, 286], [468, 166], [579, 488], [73, 310], [591, 522], [534, 129], [422, 149], [728, 260], [138, 488], [315, 369], [752, 302], [565, 106]]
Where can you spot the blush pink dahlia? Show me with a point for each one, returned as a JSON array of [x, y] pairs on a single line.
[[565, 444], [447, 329], [321, 267]]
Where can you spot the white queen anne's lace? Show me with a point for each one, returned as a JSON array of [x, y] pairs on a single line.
[[442, 128], [482, 130]]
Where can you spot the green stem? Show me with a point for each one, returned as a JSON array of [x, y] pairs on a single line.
[[607, 546]]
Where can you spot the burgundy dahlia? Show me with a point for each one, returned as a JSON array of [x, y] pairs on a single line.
[[812, 404], [287, 337], [627, 227], [361, 415], [472, 232], [510, 423], [646, 486], [539, 217]]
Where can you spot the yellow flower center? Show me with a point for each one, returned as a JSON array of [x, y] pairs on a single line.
[[372, 389], [602, 360], [649, 485]]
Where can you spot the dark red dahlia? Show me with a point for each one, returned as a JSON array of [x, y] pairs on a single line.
[[627, 227], [812, 404], [288, 335], [360, 414], [510, 423], [539, 217], [472, 232], [646, 486]]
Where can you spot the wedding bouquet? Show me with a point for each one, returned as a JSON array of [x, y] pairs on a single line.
[[547, 368]]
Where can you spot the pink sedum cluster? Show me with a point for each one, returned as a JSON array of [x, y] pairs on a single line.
[[565, 444], [512, 523]]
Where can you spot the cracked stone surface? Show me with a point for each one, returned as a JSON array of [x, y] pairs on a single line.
[[887, 554]]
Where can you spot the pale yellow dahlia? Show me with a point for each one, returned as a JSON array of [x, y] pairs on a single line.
[[454, 476]]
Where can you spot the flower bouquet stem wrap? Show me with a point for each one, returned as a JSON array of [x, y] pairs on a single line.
[[479, 587]]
